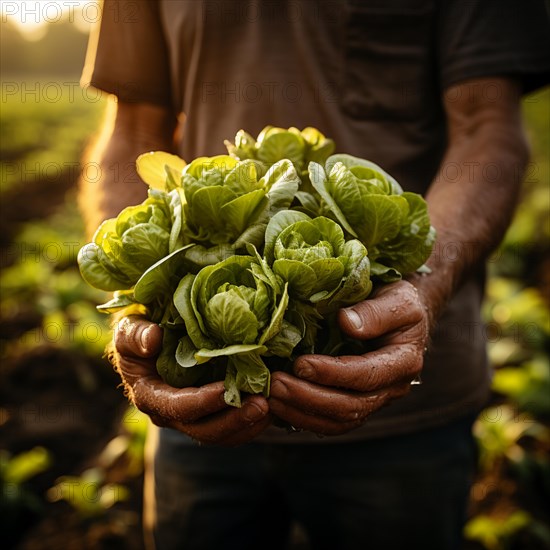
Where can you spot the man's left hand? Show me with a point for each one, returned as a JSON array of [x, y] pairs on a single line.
[[333, 395]]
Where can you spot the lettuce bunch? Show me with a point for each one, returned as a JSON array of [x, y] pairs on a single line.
[[244, 259]]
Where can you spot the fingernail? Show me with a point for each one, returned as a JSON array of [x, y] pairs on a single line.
[[354, 318], [145, 337], [305, 371], [252, 413], [279, 390]]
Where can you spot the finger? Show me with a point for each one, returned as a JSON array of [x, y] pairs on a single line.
[[317, 424], [173, 405], [137, 337], [321, 424], [233, 425], [336, 405], [385, 367], [395, 306]]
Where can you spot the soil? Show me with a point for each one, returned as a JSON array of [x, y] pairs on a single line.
[[70, 405]]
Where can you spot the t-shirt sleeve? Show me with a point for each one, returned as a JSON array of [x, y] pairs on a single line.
[[483, 38], [127, 53]]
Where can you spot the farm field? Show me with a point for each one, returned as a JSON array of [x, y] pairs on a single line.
[[71, 451]]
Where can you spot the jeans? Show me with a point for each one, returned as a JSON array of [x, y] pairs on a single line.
[[396, 493]]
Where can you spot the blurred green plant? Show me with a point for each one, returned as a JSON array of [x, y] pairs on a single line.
[[129, 444], [16, 499], [88, 494], [514, 438], [502, 533], [499, 431]]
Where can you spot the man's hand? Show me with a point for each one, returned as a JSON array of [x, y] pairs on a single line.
[[333, 395], [199, 412]]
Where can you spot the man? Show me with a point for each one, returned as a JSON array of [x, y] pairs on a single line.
[[430, 91]]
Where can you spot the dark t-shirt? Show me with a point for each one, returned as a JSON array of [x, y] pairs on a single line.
[[369, 74]]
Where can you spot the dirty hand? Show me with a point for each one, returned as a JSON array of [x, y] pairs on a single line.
[[201, 412], [333, 395]]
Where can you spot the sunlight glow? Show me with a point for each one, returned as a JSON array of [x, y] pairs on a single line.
[[31, 16]]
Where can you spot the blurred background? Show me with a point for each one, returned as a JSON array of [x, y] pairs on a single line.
[[71, 450]]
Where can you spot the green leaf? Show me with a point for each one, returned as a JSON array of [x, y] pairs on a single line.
[[144, 243], [350, 161], [281, 183], [182, 301], [281, 145], [244, 177], [185, 353], [207, 203], [320, 182], [170, 370], [239, 213], [162, 277], [121, 300], [300, 277], [329, 272], [252, 375], [229, 320], [382, 217], [94, 272], [412, 246], [309, 202], [276, 225], [152, 168], [277, 318], [232, 395], [284, 342], [176, 213], [202, 166], [384, 273], [204, 355]]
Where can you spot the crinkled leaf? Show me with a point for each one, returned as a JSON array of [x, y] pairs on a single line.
[[232, 395], [300, 277], [202, 166], [276, 225], [145, 243], [246, 373], [229, 320], [382, 217], [95, 273], [284, 342], [328, 272]]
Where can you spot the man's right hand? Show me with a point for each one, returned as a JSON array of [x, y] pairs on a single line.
[[201, 412]]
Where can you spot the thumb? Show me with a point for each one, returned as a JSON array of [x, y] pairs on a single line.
[[137, 337], [395, 306]]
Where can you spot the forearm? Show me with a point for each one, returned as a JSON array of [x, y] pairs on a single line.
[[128, 131], [472, 199]]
